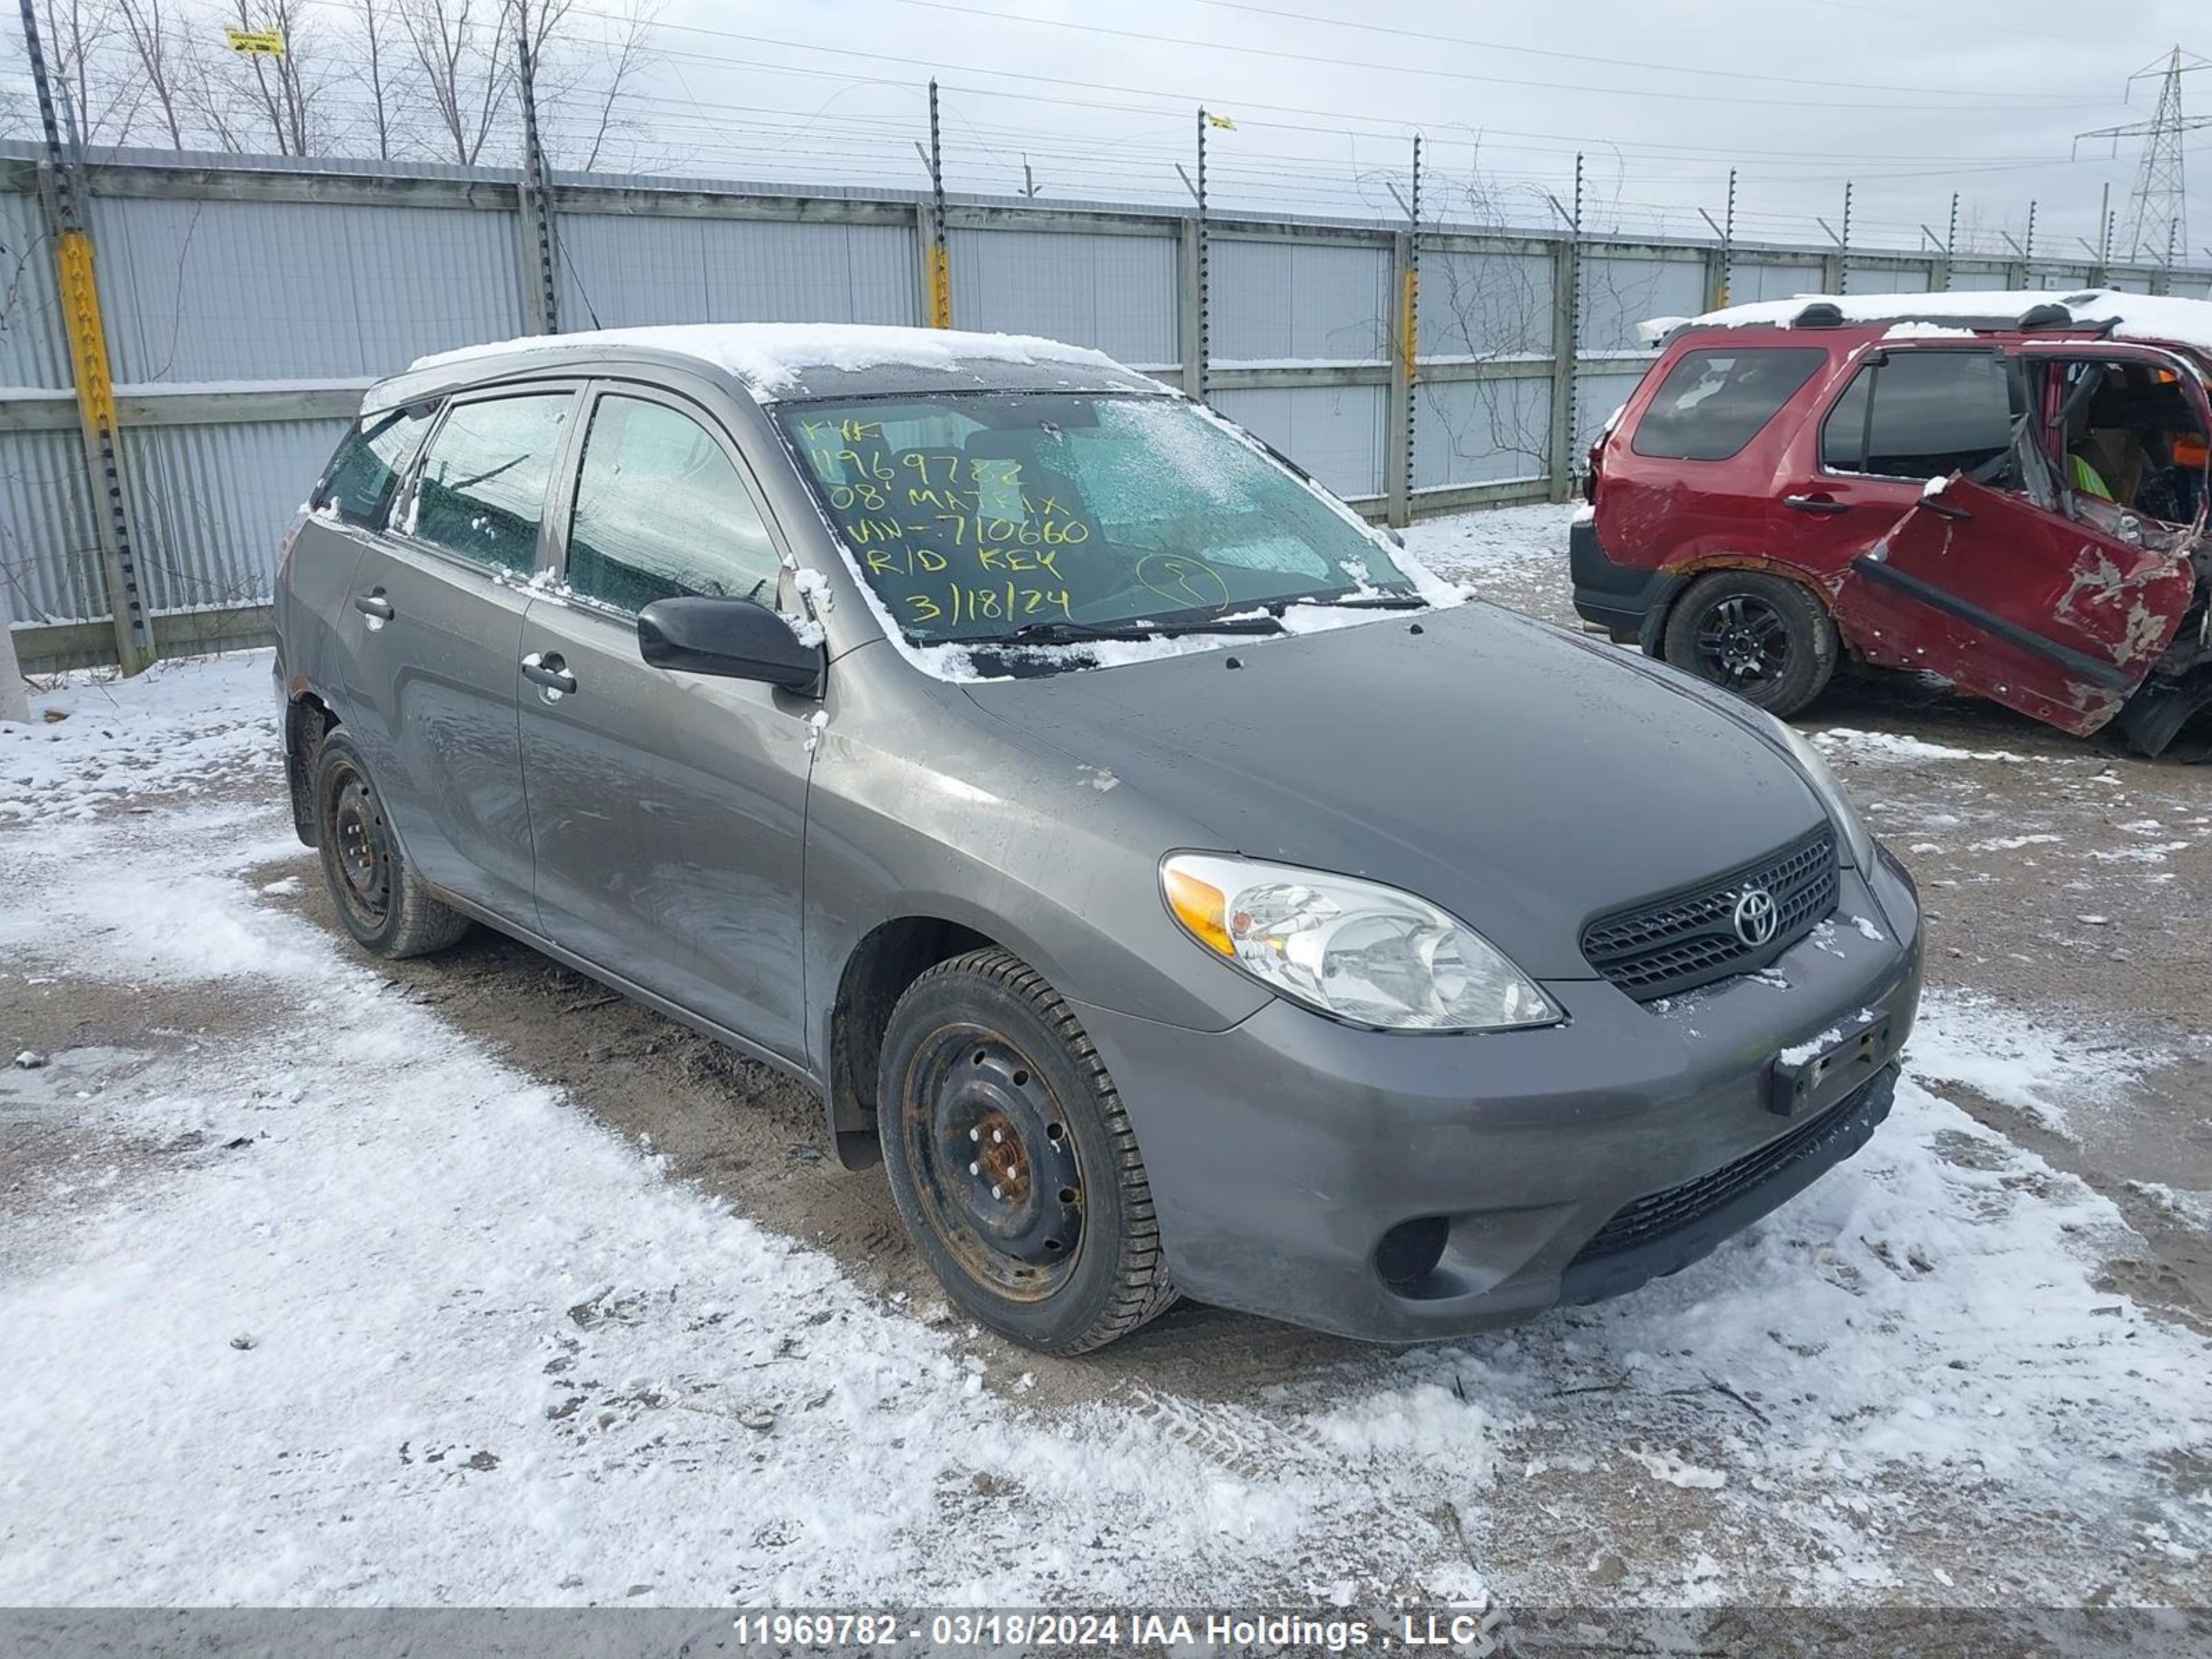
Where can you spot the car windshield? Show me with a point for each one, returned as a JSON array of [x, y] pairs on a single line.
[[1045, 517]]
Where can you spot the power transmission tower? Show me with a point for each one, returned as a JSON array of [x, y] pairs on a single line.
[[2158, 212]]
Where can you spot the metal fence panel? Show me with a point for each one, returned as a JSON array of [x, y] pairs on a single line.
[[49, 549], [620, 271], [1750, 280], [1597, 396], [33, 348], [229, 291], [1335, 432], [1889, 279], [1115, 293], [1485, 305], [1618, 293], [1470, 432], [212, 501], [1278, 302], [767, 272]]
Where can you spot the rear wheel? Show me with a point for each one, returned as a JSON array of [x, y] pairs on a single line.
[[382, 902], [1765, 638], [1012, 1161]]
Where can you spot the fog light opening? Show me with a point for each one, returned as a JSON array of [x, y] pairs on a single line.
[[1409, 1253]]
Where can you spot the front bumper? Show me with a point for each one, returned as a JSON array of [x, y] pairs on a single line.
[[1299, 1165]]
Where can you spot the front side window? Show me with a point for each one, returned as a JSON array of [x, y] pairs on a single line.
[[1713, 402], [662, 512], [356, 486], [975, 516], [1921, 415], [482, 492]]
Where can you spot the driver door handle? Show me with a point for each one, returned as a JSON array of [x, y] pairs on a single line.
[[550, 672], [1825, 505], [374, 605]]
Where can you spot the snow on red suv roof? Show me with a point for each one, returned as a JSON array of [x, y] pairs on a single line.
[[2163, 317]]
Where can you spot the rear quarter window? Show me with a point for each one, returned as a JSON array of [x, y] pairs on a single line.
[[1714, 402], [356, 486]]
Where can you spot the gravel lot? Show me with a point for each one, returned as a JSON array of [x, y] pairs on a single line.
[[458, 1281]]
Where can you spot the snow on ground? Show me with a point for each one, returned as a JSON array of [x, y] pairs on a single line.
[[400, 1323]]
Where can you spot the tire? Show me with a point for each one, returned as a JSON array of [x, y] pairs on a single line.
[[1047, 1234], [381, 901], [1767, 639]]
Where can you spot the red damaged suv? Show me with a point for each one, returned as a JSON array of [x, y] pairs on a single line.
[[2008, 490]]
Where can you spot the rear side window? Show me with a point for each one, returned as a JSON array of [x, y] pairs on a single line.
[[356, 486], [1713, 402], [1921, 415], [482, 494]]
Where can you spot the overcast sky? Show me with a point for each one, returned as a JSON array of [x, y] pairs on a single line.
[[1912, 102]]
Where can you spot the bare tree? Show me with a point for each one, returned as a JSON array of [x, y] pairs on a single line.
[[376, 70], [281, 90], [84, 52], [159, 61], [461, 50]]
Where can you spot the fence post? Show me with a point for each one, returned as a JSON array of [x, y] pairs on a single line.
[[62, 195], [14, 705], [541, 244], [1566, 348], [1398, 432], [937, 257], [1190, 304]]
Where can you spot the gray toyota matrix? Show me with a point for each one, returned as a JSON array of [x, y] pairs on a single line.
[[1179, 889]]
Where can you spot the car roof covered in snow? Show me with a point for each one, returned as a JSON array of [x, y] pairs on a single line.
[[777, 363], [2164, 318]]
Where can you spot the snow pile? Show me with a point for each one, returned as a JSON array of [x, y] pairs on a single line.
[[771, 358], [2017, 1060], [431, 1336], [98, 740]]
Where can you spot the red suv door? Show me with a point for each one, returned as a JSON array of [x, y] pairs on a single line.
[[2059, 614], [1906, 414]]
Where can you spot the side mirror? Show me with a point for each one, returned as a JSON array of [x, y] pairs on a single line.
[[736, 639]]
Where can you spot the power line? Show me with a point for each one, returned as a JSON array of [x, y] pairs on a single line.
[[1337, 62]]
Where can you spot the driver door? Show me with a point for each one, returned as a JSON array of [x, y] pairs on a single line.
[[667, 810]]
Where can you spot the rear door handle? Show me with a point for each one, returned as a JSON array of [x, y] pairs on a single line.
[[1824, 505], [373, 605], [550, 672]]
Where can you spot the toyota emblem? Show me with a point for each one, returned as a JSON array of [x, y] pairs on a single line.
[[1757, 916]]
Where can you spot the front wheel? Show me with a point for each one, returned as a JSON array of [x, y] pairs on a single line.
[[1012, 1161], [1765, 638]]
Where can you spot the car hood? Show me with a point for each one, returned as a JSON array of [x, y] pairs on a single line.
[[1499, 767]]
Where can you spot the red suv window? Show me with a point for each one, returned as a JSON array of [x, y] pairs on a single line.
[[1712, 403]]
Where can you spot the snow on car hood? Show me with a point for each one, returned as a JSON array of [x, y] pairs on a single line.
[[1487, 763]]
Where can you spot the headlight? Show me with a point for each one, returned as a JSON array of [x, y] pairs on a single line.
[[1353, 950], [1830, 788]]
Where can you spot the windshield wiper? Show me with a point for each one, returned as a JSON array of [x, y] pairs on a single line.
[[1369, 602], [1076, 633]]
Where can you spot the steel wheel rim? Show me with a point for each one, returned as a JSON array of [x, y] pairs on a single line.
[[995, 1169], [1742, 641], [361, 850]]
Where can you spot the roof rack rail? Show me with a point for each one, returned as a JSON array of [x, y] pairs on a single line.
[[2049, 314], [1821, 313]]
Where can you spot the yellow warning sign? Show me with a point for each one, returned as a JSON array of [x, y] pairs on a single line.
[[256, 43], [1222, 121]]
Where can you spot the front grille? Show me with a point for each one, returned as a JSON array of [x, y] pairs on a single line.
[[1646, 1220], [1690, 940]]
